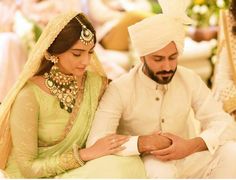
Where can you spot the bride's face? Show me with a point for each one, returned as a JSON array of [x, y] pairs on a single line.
[[76, 59]]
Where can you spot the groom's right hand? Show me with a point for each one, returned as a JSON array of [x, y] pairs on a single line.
[[152, 142]]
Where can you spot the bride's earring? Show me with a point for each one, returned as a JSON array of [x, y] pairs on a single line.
[[52, 58]]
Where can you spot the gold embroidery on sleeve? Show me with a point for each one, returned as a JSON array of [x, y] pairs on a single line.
[[67, 161]]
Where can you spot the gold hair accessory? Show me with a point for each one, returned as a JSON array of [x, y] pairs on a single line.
[[64, 87], [50, 57], [86, 35]]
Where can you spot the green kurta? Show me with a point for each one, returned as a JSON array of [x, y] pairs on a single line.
[[36, 120]]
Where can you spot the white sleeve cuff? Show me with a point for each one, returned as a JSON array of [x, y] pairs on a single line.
[[131, 147], [212, 142]]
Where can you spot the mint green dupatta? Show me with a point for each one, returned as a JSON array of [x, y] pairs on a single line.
[[94, 85]]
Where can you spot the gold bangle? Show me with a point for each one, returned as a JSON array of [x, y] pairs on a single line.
[[77, 155]]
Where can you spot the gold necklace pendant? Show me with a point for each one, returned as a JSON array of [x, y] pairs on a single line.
[[64, 87]]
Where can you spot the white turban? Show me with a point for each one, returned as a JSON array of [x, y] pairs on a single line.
[[156, 32]]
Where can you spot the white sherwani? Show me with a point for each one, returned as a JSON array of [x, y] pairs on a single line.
[[136, 105]]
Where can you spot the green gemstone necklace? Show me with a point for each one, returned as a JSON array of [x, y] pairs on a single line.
[[64, 87]]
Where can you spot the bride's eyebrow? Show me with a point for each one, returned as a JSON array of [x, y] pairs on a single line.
[[76, 49]]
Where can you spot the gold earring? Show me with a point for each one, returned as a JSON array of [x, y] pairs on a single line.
[[52, 58]]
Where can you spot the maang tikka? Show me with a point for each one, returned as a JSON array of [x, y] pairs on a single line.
[[86, 36]]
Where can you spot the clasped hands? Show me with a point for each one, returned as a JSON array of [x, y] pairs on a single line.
[[165, 146]]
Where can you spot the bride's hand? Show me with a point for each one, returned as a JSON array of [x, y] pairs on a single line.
[[107, 145]]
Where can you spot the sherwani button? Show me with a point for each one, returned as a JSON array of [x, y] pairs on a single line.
[[162, 120], [157, 98]]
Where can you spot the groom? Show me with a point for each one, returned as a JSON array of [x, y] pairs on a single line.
[[154, 101]]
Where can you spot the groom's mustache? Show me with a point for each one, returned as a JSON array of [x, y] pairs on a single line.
[[165, 72]]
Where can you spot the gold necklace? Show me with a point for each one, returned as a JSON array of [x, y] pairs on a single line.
[[64, 87]]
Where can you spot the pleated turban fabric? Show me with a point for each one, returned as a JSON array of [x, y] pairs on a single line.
[[157, 31]]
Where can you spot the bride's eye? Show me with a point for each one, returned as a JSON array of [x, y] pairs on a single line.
[[76, 55], [91, 52]]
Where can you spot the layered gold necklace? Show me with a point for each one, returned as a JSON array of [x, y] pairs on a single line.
[[64, 87]]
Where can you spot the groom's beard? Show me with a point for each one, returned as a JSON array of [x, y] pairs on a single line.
[[157, 77]]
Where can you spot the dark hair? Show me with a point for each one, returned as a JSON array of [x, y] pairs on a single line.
[[233, 11], [69, 35]]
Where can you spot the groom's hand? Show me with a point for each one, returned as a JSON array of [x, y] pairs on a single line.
[[153, 142]]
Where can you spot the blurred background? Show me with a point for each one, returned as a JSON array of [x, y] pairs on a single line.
[[22, 21]]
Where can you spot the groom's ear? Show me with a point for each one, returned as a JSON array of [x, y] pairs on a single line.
[[109, 80], [142, 58]]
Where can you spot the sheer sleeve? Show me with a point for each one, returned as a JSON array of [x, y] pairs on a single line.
[[24, 129], [225, 89], [224, 86]]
